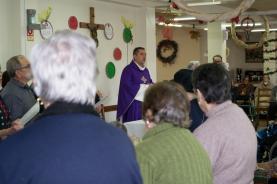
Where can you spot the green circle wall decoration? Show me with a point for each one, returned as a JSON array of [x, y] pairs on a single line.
[[110, 70], [127, 35]]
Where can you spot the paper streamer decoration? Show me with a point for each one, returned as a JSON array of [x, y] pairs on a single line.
[[110, 70], [117, 54]]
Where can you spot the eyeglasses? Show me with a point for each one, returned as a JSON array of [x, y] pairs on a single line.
[[23, 67]]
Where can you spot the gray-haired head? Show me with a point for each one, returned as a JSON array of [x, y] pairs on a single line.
[[64, 68], [13, 64], [193, 64]]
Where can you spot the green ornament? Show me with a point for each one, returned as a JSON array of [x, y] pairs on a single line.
[[110, 70], [127, 35]]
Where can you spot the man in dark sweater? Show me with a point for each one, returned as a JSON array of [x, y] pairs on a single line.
[[68, 143]]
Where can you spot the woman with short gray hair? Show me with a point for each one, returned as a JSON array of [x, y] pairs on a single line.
[[68, 143], [64, 68], [169, 153]]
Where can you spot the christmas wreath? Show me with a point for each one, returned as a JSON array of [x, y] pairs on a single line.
[[167, 51]]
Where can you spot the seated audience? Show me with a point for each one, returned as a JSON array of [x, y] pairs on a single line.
[[227, 135], [272, 110], [245, 91], [68, 143], [262, 98], [17, 95], [169, 153], [196, 115]]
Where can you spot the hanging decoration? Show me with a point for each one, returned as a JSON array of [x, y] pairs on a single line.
[[270, 59], [127, 32], [270, 51], [249, 45], [46, 30], [167, 51], [270, 72], [194, 34], [167, 33], [73, 23], [247, 24], [110, 70], [207, 17], [227, 52]]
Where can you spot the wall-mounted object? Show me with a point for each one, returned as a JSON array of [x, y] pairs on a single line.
[[46, 30], [30, 35], [117, 54], [127, 31], [92, 26], [31, 23], [73, 22], [108, 31], [110, 70]]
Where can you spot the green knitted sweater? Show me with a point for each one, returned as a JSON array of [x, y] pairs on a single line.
[[172, 155]]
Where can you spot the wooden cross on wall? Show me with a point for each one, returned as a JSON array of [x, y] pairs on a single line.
[[92, 26]]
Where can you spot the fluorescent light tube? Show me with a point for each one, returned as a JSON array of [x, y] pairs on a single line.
[[204, 3], [184, 18]]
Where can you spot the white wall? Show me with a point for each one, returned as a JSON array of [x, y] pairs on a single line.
[[143, 31], [10, 30]]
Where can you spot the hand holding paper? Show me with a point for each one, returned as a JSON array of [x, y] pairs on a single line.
[[140, 94]]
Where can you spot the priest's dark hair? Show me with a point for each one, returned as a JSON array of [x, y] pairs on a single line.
[[213, 81], [168, 103], [136, 50]]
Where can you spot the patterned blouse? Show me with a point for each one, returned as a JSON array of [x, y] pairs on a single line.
[[4, 115]]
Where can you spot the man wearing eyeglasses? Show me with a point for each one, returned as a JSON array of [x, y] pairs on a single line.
[[17, 94]]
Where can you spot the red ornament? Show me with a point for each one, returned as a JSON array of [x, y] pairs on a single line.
[[235, 19], [73, 23], [160, 18], [167, 33], [200, 21], [117, 54], [174, 5]]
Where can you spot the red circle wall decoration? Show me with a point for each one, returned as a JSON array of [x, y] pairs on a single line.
[[117, 54], [73, 22]]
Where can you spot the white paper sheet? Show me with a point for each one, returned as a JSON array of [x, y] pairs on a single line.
[[135, 128], [30, 114], [140, 94]]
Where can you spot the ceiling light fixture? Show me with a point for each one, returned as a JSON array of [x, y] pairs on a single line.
[[204, 3], [239, 25], [184, 18], [262, 30], [171, 25]]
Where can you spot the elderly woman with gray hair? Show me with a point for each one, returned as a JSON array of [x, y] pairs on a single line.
[[169, 153], [68, 143]]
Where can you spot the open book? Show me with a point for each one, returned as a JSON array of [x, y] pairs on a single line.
[[30, 114]]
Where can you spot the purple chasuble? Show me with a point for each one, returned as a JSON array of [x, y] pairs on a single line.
[[127, 107]]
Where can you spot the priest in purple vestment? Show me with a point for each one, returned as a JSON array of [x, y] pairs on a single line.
[[135, 78]]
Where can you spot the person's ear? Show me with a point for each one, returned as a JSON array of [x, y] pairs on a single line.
[[199, 95]]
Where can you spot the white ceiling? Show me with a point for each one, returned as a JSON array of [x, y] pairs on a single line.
[[260, 6]]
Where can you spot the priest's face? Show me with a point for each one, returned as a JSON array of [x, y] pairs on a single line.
[[140, 57]]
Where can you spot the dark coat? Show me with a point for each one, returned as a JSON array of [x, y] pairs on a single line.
[[68, 144]]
